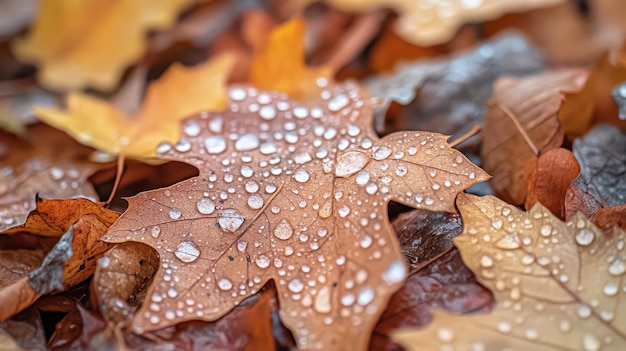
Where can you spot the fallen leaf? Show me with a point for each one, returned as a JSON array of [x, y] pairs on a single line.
[[279, 65], [550, 179], [609, 217], [23, 332], [79, 223], [529, 105], [427, 22], [558, 286], [179, 93], [297, 192], [602, 158], [90, 44], [579, 199], [38, 168], [445, 284], [424, 235], [76, 330]]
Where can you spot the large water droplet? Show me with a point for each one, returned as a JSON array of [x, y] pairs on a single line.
[[585, 237], [350, 163], [395, 273], [365, 296], [224, 284], [381, 152], [230, 219], [247, 142], [187, 251], [301, 176], [255, 202], [262, 261], [508, 242], [617, 267], [322, 301], [205, 206], [362, 178], [283, 230], [174, 213], [191, 128], [295, 285], [610, 289], [214, 144], [267, 112]]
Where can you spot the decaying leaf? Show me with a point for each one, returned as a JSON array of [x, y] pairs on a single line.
[[579, 199], [550, 179], [40, 168], [602, 157], [521, 108], [79, 223], [445, 79], [79, 44], [445, 284], [427, 22], [558, 286], [279, 65], [297, 192], [424, 235], [23, 332], [179, 93]]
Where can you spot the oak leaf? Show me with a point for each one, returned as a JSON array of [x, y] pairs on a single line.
[[426, 22], [522, 121], [80, 44], [79, 223], [558, 285], [177, 94], [297, 192], [280, 63]]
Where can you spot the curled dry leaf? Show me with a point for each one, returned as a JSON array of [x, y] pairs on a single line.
[[79, 223], [280, 64], [445, 284], [424, 235], [550, 179], [427, 22], [558, 286], [521, 109], [180, 92], [39, 168], [602, 157], [91, 43], [297, 192]]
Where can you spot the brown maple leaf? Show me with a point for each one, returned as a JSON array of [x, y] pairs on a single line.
[[297, 192], [558, 285]]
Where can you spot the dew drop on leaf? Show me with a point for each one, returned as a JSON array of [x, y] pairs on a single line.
[[224, 284], [174, 213], [230, 219], [214, 144], [584, 237], [205, 206], [187, 252]]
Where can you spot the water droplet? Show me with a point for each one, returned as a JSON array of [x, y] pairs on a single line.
[[56, 173], [504, 327], [344, 211], [322, 301], [585, 237], [104, 262], [362, 178], [365, 296], [300, 112], [531, 334], [371, 188], [486, 261], [174, 213], [617, 267], [350, 163], [171, 292], [445, 335], [338, 102], [584, 311], [247, 142], [262, 261], [546, 230], [283, 230], [496, 224], [381, 152], [301, 176], [267, 112], [230, 219], [591, 343], [366, 241], [395, 273], [247, 171], [224, 284], [205, 206], [187, 251], [191, 128], [508, 242], [610, 289], [295, 285], [348, 299], [255, 202], [163, 147], [156, 230], [214, 144], [237, 94]]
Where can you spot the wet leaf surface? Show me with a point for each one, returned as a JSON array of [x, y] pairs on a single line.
[[300, 198], [548, 297]]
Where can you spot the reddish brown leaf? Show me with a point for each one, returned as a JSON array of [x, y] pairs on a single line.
[[294, 191], [550, 179], [609, 217], [523, 115]]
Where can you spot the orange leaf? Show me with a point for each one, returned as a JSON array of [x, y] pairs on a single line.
[[280, 64]]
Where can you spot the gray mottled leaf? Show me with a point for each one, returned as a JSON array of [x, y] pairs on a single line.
[[49, 276], [602, 157]]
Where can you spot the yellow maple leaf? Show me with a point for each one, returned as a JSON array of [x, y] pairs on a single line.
[[180, 92], [90, 43], [279, 65]]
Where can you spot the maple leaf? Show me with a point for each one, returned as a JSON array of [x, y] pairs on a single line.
[[279, 65], [522, 121], [426, 22], [91, 43], [297, 192], [177, 94], [558, 285]]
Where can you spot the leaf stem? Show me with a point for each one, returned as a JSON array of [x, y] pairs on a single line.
[[475, 130], [118, 177]]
